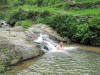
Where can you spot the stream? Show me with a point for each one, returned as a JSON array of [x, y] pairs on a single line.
[[82, 61], [75, 60]]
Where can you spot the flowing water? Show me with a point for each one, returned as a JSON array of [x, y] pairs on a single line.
[[75, 60]]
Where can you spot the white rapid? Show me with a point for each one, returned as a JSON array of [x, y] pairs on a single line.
[[3, 24], [47, 44]]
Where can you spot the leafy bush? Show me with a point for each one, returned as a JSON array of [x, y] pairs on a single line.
[[88, 33], [95, 22], [25, 23], [81, 34], [20, 15], [76, 28], [94, 26], [2, 15], [63, 24]]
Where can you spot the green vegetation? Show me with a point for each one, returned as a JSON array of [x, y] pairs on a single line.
[[25, 23], [86, 1], [77, 19], [2, 68]]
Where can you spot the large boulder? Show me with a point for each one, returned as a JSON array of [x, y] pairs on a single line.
[[14, 47]]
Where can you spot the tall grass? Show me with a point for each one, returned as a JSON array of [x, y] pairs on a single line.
[[87, 1], [95, 11]]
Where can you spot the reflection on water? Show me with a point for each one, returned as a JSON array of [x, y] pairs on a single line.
[[78, 62]]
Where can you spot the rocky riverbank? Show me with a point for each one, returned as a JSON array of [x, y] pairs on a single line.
[[17, 44]]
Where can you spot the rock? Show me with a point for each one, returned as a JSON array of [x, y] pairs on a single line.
[[32, 33], [14, 47], [17, 45], [18, 29]]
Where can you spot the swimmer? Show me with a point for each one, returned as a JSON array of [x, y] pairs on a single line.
[[60, 46]]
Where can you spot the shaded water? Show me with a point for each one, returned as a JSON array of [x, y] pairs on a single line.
[[76, 62]]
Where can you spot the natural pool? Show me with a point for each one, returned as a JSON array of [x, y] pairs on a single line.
[[82, 61]]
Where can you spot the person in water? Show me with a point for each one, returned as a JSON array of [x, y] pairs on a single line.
[[60, 46]]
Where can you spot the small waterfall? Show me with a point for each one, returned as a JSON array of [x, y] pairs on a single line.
[[3, 24], [47, 44]]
